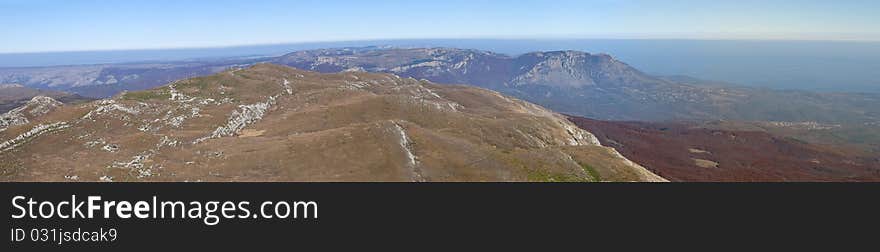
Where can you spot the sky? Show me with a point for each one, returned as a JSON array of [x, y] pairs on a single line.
[[81, 25]]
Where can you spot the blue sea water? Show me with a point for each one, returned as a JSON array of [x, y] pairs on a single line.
[[805, 65]]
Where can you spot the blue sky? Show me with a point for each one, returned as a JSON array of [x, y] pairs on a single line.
[[71, 25]]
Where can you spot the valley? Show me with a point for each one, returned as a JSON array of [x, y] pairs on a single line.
[[697, 153]]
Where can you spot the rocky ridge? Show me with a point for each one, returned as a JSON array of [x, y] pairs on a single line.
[[37, 106], [272, 123]]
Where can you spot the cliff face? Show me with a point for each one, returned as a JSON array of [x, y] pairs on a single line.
[[274, 123]]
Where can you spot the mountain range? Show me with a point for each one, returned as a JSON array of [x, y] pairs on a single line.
[[595, 85], [572, 82], [275, 123], [707, 130], [601, 87]]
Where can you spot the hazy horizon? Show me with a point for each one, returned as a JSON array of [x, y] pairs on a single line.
[[88, 25], [378, 42]]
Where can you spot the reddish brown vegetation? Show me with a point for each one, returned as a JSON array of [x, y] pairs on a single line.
[[670, 150]]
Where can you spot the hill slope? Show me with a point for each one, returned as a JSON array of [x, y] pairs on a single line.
[[273, 123], [15, 95], [683, 152]]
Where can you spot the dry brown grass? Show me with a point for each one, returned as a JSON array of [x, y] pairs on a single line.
[[333, 127]]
